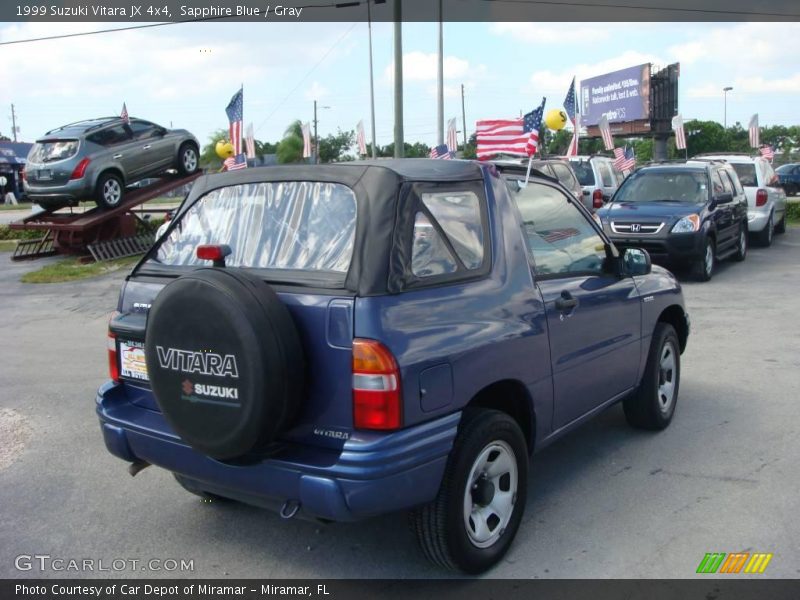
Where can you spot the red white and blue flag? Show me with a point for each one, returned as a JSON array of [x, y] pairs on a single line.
[[516, 137], [570, 105], [754, 133], [235, 112], [361, 138], [625, 159], [680, 134], [124, 114], [441, 151], [250, 142], [234, 163], [605, 133], [306, 128], [767, 152], [452, 136]]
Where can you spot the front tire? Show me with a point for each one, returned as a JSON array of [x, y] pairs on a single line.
[[188, 159], [474, 518], [653, 404], [110, 190], [703, 268]]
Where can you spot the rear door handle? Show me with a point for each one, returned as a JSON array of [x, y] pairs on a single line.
[[566, 302], [117, 156], [147, 147]]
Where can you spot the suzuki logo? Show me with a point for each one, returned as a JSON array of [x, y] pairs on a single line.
[[636, 228]]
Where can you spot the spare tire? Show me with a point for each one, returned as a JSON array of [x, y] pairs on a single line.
[[225, 361]]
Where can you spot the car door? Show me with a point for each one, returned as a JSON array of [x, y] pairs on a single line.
[[154, 152], [608, 183], [593, 315], [120, 147], [726, 226]]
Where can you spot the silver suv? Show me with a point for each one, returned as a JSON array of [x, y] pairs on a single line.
[[766, 199], [98, 158], [598, 177]]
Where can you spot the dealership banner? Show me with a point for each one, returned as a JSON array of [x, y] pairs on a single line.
[[621, 96]]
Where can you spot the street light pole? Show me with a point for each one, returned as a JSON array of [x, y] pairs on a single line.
[[316, 139], [725, 91], [440, 83], [399, 144], [371, 84]]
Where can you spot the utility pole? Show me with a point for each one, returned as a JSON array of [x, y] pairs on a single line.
[[399, 144], [463, 117], [316, 139], [440, 83], [371, 84], [14, 123]]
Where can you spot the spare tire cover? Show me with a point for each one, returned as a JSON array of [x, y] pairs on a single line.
[[225, 361]]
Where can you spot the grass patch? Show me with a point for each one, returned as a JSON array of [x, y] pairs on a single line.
[[8, 245], [71, 269], [793, 213], [159, 200], [20, 206], [6, 233]]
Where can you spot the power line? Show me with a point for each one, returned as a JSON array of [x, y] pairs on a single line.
[[308, 73], [647, 8]]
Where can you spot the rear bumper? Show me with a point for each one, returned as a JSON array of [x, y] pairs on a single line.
[[70, 192], [372, 474]]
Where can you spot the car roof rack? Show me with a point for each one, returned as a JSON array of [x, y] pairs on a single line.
[[103, 121], [723, 154]]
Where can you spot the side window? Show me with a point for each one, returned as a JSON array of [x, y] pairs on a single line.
[[429, 255], [605, 174], [716, 183], [459, 215], [727, 186], [110, 136], [734, 182], [142, 130], [564, 175], [560, 238]]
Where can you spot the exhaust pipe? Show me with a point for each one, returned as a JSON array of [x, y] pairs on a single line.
[[290, 509], [137, 466]]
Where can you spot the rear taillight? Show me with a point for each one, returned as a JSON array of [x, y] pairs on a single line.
[[80, 169], [377, 402], [761, 197], [597, 199], [113, 369]]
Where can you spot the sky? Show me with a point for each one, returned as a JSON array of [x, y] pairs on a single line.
[[183, 75]]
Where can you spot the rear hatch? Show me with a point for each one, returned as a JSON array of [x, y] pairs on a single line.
[[50, 161], [296, 236]]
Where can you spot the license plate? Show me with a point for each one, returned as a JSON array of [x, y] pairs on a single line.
[[45, 174], [131, 361]]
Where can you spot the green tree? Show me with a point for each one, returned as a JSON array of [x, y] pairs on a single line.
[[333, 147], [471, 149], [208, 157], [290, 148]]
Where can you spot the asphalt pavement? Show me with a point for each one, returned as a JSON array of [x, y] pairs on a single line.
[[606, 501]]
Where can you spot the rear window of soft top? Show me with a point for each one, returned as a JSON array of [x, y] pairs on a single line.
[[289, 225]]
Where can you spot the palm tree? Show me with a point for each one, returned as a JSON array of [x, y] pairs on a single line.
[[290, 148]]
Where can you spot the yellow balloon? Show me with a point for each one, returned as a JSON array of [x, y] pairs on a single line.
[[555, 119], [224, 149]]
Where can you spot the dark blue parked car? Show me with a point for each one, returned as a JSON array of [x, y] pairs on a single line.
[[346, 340]]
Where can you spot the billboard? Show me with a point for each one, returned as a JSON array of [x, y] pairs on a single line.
[[622, 96]]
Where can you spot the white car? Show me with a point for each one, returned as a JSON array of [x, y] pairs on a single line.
[[598, 177], [766, 199]]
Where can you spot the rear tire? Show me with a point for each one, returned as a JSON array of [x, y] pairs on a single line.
[[764, 237], [474, 518], [703, 267], [188, 159], [741, 248], [781, 227], [110, 190], [652, 406]]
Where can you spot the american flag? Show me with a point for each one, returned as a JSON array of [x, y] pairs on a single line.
[[306, 127], [605, 132], [235, 112], [250, 142], [554, 235], [518, 137], [361, 139], [441, 151], [234, 163], [124, 114], [755, 134], [680, 134], [572, 112], [767, 152], [625, 160], [452, 135]]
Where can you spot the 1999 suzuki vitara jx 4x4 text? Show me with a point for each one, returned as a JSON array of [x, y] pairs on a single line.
[[346, 340]]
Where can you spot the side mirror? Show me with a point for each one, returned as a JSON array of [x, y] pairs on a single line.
[[725, 198], [161, 132], [636, 261]]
